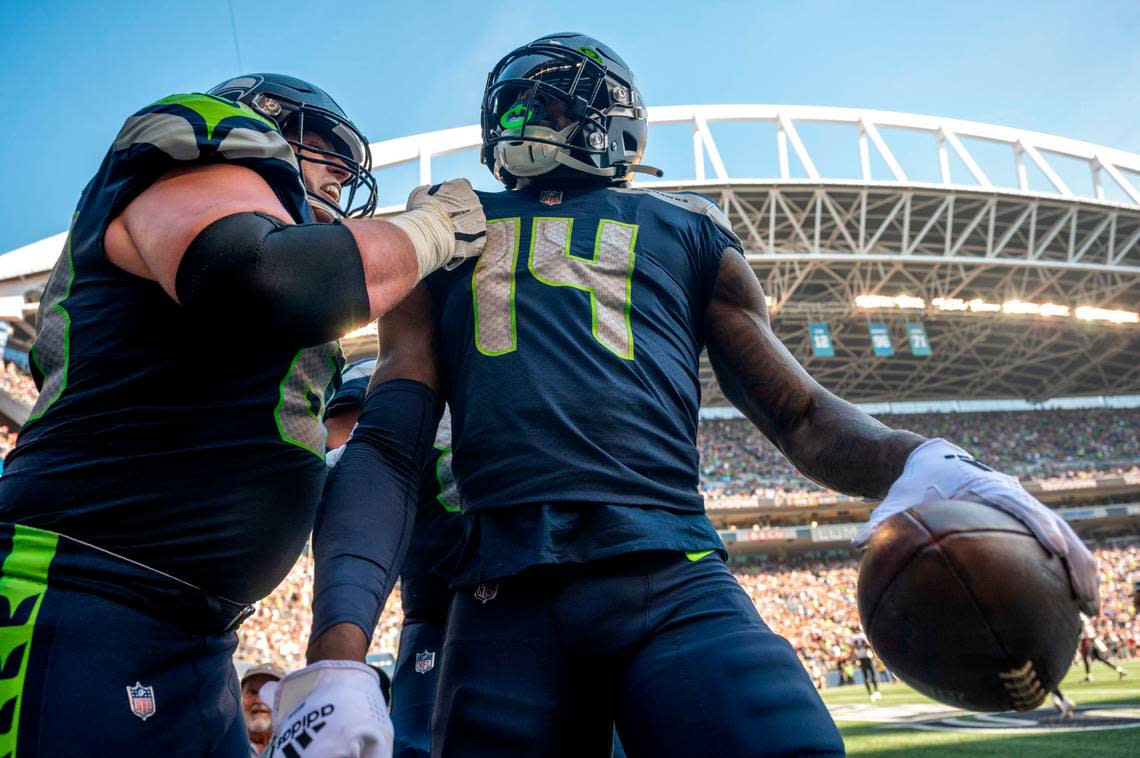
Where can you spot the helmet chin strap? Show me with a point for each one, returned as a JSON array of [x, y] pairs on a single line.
[[564, 157], [527, 159], [316, 201]]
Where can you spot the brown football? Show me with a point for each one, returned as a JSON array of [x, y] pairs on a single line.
[[963, 604]]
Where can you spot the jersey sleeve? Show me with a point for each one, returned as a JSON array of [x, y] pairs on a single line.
[[190, 129], [707, 232], [715, 238]]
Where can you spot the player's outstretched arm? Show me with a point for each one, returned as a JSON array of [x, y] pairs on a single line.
[[828, 439], [218, 240], [362, 532], [839, 446]]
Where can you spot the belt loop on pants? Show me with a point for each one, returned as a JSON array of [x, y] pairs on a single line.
[[210, 613]]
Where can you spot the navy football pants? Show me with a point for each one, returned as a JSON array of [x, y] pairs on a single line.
[[671, 650], [103, 657], [413, 691]]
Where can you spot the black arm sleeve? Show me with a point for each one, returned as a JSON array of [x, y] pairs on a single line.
[[368, 508], [302, 282]]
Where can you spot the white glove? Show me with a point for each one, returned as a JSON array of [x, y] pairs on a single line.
[[333, 456], [330, 709], [445, 223], [938, 470]]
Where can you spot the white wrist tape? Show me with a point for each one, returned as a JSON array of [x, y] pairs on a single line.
[[432, 236]]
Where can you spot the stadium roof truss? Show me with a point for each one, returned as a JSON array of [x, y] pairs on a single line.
[[817, 241]]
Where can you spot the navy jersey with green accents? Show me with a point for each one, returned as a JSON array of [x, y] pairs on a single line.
[[152, 437], [571, 353]]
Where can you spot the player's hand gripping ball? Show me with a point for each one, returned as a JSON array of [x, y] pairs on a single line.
[[937, 470], [330, 709], [974, 600]]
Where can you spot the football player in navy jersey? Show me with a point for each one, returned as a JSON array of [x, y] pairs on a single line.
[[426, 572], [425, 576], [592, 587], [168, 476]]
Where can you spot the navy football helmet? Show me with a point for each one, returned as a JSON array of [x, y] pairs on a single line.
[[296, 105], [587, 83]]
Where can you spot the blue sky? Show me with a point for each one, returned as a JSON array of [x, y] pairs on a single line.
[[72, 71]]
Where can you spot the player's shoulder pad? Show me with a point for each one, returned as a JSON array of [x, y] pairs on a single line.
[[692, 202], [498, 202], [189, 127]]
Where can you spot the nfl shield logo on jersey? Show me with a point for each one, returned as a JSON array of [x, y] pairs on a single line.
[[550, 197], [486, 591], [425, 661], [141, 699]]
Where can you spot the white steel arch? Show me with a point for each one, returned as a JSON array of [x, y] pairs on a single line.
[[1027, 147], [818, 240]]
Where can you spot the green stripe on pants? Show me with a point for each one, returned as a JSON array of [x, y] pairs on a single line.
[[23, 583]]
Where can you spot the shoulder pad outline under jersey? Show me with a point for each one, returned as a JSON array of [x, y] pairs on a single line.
[[179, 125], [692, 202]]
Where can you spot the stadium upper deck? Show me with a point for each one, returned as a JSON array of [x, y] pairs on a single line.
[[1019, 252]]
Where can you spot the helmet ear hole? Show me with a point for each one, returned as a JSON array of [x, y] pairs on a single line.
[[629, 142]]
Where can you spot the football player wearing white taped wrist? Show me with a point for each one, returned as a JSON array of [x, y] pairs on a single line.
[[939, 470], [445, 223], [329, 709]]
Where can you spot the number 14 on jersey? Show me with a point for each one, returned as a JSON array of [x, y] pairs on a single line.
[[607, 277]]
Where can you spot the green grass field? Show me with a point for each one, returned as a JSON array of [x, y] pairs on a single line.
[[887, 728]]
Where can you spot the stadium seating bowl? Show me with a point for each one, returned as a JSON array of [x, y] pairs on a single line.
[[963, 604]]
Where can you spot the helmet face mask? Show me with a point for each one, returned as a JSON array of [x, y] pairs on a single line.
[[297, 107], [591, 89]]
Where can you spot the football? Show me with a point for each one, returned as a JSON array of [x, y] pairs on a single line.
[[963, 604]]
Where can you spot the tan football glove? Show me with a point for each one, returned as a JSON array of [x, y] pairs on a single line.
[[445, 223]]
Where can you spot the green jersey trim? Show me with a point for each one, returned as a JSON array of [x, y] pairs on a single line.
[[284, 388], [444, 453], [39, 410]]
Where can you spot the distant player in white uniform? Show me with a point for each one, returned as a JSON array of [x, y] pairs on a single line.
[[1093, 648], [866, 655]]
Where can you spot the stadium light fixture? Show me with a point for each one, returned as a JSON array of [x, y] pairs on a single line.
[[977, 305], [1088, 313], [949, 303], [883, 301], [1011, 307], [1052, 309]]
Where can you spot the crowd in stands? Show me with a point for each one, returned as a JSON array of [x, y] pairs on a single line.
[[7, 441], [278, 632], [738, 461], [810, 602], [18, 385]]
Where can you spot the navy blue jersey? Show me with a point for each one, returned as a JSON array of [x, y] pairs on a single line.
[[154, 436], [439, 526], [571, 353]]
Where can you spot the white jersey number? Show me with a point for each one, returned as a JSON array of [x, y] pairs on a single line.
[[607, 277]]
